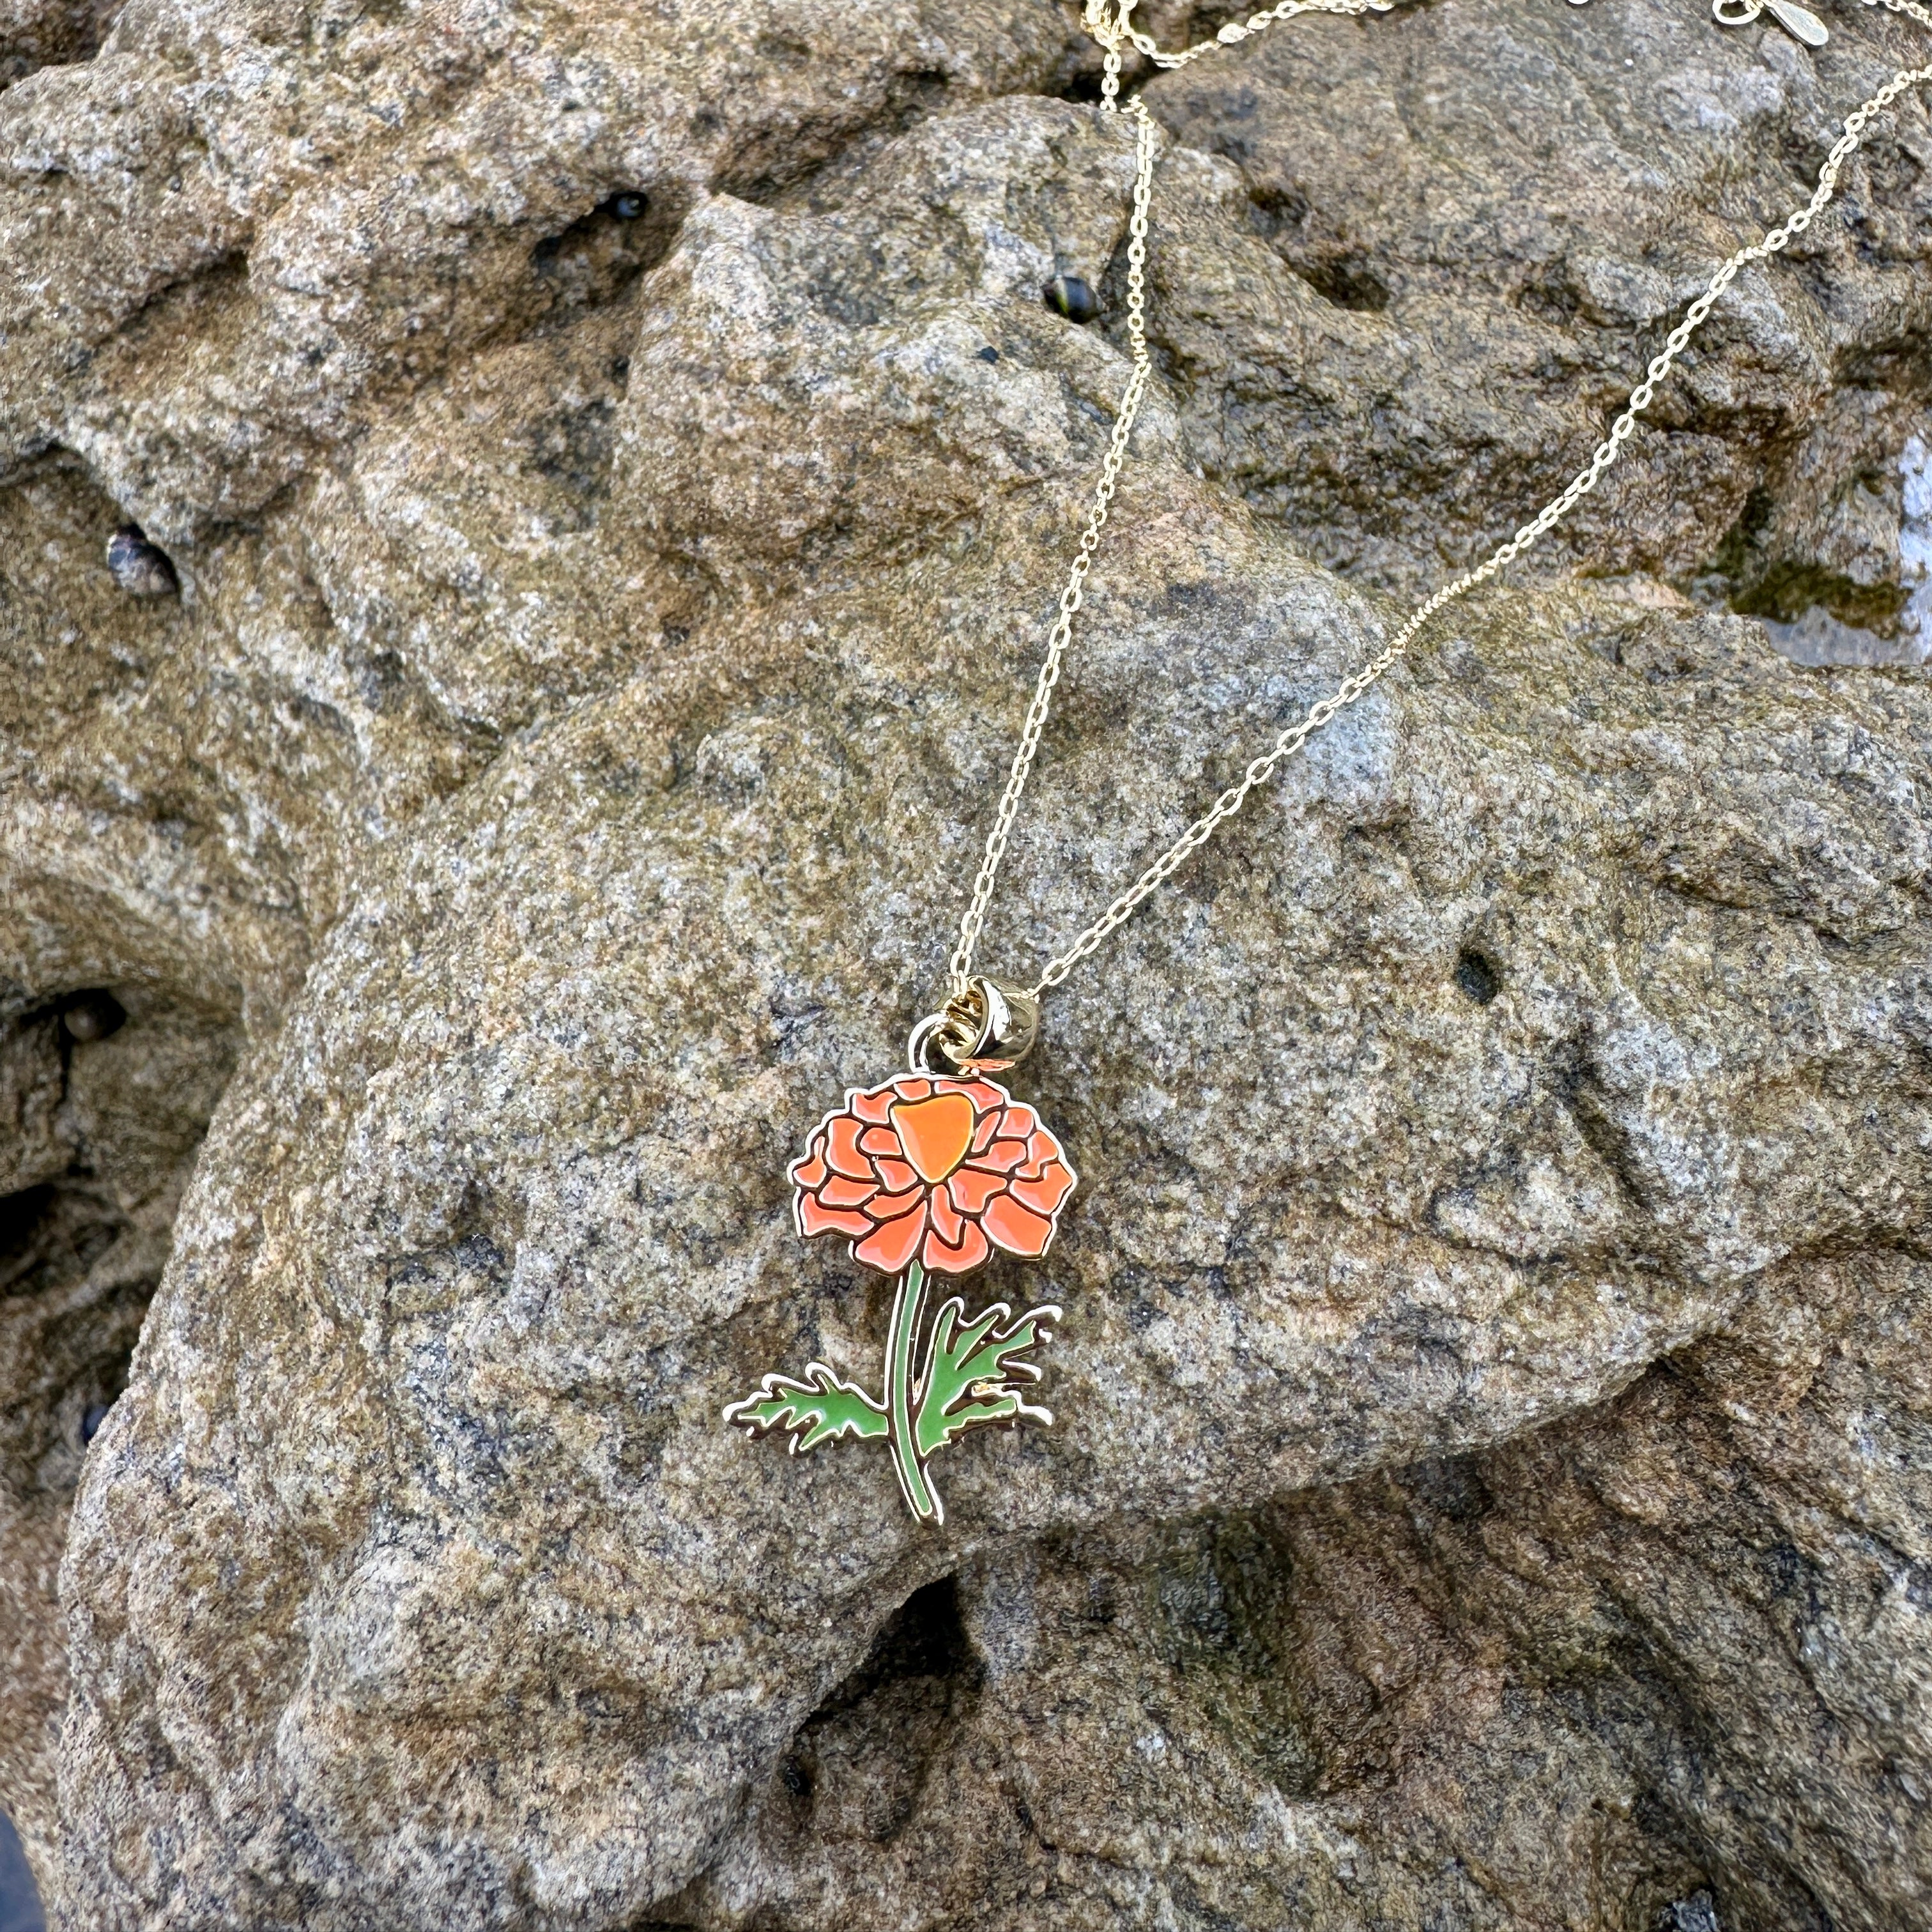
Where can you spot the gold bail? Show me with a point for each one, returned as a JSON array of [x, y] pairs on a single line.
[[989, 1026]]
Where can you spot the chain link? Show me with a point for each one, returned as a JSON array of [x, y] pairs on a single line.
[[1109, 23], [1074, 594]]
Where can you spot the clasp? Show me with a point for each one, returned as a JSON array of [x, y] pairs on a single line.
[[1798, 22], [986, 1028]]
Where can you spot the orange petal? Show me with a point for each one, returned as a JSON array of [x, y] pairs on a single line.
[[1002, 1155], [946, 1258], [1017, 1229], [895, 1175], [894, 1244], [840, 1193], [841, 1148], [972, 1187], [815, 1219], [1018, 1122], [935, 1133], [878, 1140], [946, 1218], [980, 1093], [872, 1107], [1044, 1195], [1041, 1148], [911, 1087], [982, 1134], [809, 1172]]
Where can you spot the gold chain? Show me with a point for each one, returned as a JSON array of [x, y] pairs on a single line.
[[1074, 593], [1109, 22]]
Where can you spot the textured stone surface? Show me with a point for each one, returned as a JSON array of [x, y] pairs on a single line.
[[1490, 1484], [1443, 254], [35, 33], [101, 1135], [1645, 1636]]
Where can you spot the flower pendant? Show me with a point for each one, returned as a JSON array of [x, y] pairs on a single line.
[[925, 1175]]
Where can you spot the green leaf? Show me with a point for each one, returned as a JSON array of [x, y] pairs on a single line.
[[820, 1410], [969, 1371]]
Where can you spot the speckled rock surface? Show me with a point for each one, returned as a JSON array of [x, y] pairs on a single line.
[[1438, 249], [1490, 1489], [102, 1132]]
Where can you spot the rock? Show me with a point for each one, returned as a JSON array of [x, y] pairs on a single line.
[[101, 1135], [313, 210], [38, 33], [1297, 1714], [1488, 1486], [1437, 259]]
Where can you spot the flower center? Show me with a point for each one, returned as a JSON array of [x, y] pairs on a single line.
[[935, 1133]]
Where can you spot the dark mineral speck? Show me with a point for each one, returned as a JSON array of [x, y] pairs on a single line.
[[1477, 976], [1070, 296], [88, 1017], [141, 569]]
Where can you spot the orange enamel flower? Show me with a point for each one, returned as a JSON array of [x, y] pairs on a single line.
[[936, 1171]]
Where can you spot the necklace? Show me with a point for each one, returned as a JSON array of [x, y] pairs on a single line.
[[927, 1173]]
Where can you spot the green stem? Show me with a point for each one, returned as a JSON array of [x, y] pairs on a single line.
[[901, 1340]]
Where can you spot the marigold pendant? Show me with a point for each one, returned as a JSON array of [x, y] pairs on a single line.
[[925, 1175]]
